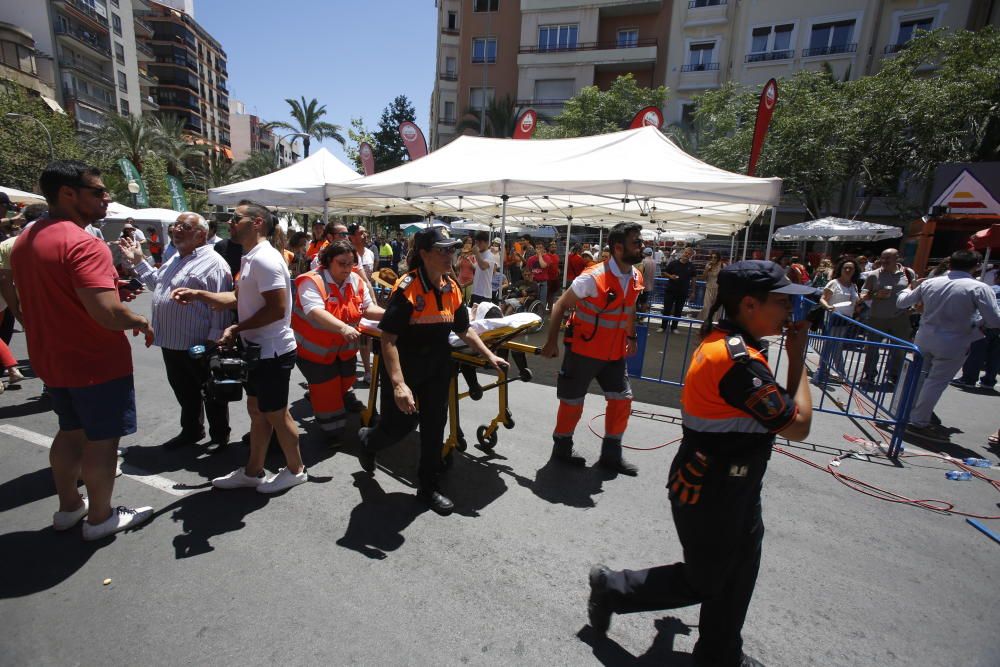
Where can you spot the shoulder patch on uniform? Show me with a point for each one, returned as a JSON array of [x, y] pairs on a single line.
[[404, 282], [737, 349], [766, 403]]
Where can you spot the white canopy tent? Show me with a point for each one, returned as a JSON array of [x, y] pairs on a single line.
[[162, 215], [837, 229], [117, 210], [22, 197]]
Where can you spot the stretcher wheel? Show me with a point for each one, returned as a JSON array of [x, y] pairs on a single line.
[[461, 444], [487, 442], [508, 423], [526, 375]]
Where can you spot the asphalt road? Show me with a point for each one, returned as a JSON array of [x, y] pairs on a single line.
[[352, 570]]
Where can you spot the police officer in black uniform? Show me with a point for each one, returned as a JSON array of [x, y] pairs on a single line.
[[425, 306], [732, 407]]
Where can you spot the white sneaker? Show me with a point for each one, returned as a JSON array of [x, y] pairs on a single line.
[[285, 479], [237, 479], [66, 520], [120, 519]]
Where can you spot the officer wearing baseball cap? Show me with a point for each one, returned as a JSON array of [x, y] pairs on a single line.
[[416, 370], [732, 408]]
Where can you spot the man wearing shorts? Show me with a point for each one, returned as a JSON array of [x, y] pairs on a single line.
[[263, 302], [74, 322]]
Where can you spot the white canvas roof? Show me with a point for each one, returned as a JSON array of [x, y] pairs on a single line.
[[164, 215], [299, 185], [586, 178], [837, 229], [22, 197]]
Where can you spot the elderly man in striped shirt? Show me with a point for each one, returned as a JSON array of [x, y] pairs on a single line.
[[177, 327]]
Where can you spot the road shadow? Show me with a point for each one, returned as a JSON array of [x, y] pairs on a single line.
[[944, 447], [26, 489], [661, 652], [562, 484], [376, 524], [35, 561], [210, 514], [32, 406]]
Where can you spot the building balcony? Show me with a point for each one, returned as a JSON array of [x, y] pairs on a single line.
[[91, 41], [765, 56], [90, 71], [143, 28], [832, 50], [699, 76], [618, 7], [149, 104], [891, 49], [700, 67], [705, 12], [83, 13], [448, 76], [590, 53], [542, 104], [175, 103], [143, 52], [147, 79], [103, 103], [705, 4]]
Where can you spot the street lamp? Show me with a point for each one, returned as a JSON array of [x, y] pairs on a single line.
[[133, 188], [48, 135]]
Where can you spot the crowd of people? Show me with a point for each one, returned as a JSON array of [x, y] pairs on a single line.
[[298, 302]]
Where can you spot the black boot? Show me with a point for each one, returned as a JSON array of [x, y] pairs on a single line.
[[562, 450], [598, 608], [436, 500], [611, 458]]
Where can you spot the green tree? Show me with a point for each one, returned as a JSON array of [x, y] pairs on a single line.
[[357, 134], [499, 123], [132, 137], [388, 147], [154, 174], [215, 171], [307, 116], [257, 164], [175, 146], [24, 149], [593, 111]]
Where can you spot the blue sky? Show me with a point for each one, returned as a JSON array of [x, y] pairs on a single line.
[[352, 56]]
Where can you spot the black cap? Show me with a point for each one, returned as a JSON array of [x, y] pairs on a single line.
[[434, 237], [754, 275]]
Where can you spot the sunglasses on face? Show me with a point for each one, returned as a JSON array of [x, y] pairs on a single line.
[[100, 192], [451, 250]]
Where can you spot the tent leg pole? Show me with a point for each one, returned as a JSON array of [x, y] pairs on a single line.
[[986, 263], [503, 233], [600, 240], [746, 240], [569, 231], [732, 246], [770, 232]]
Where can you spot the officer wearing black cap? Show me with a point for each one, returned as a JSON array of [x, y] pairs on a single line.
[[425, 306], [732, 407]]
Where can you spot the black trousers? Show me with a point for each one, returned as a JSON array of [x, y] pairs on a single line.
[[186, 377], [721, 535], [6, 326], [429, 378], [673, 304]]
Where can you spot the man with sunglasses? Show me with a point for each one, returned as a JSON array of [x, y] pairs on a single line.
[[74, 321], [333, 232]]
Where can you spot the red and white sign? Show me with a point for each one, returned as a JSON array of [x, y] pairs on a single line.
[[526, 124], [367, 158], [651, 116], [413, 139], [967, 195], [765, 109]]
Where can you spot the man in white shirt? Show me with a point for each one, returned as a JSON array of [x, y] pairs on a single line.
[[482, 280], [263, 302], [358, 236], [956, 306]]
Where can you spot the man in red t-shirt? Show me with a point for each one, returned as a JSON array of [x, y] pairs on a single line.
[[74, 322], [555, 274], [576, 264], [539, 266]]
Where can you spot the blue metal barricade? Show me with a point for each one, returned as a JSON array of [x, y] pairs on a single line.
[[694, 302], [861, 372]]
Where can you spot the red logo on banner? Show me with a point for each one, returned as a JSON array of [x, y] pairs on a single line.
[[651, 116], [413, 139], [526, 124], [765, 109], [367, 159]]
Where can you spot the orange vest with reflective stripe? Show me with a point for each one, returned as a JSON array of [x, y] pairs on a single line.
[[601, 322], [320, 345], [424, 300], [702, 408]]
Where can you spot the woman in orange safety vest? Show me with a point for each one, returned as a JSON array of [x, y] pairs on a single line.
[[329, 304]]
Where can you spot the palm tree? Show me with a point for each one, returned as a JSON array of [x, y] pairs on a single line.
[[215, 170], [307, 115], [258, 164], [131, 137], [174, 145], [501, 119]]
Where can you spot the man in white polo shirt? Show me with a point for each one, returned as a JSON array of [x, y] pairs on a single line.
[[263, 301]]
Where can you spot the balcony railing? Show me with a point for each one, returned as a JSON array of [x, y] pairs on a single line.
[[150, 103], [447, 121], [592, 46], [83, 36], [700, 67], [147, 28], [102, 102], [552, 102], [830, 50], [141, 47], [449, 76], [697, 4], [173, 102], [88, 12], [895, 48], [770, 55], [86, 68]]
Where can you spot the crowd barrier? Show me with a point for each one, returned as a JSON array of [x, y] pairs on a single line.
[[861, 373], [695, 299]]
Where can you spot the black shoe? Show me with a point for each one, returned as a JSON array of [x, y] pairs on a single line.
[[351, 403], [475, 393], [935, 419], [366, 457], [562, 450], [183, 440], [333, 440], [611, 458], [437, 501], [598, 610], [747, 661], [221, 439]]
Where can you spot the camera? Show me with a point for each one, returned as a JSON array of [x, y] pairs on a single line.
[[227, 370]]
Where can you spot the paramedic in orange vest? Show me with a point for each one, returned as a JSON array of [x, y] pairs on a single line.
[[600, 334], [732, 408], [416, 370], [329, 304]]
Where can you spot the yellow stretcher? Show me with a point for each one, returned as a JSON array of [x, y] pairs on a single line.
[[498, 335]]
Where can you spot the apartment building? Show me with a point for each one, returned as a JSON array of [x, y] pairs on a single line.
[[189, 73], [20, 64], [91, 45], [251, 135], [540, 52]]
